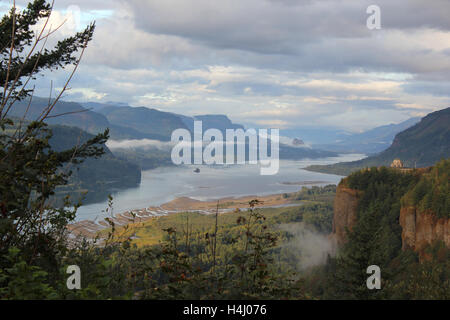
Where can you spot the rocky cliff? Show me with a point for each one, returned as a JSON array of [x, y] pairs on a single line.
[[345, 213], [421, 229]]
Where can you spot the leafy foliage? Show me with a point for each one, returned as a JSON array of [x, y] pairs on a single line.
[[32, 232], [432, 192], [14, 67], [30, 173]]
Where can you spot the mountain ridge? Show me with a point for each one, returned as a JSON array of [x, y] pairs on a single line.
[[371, 141], [421, 145]]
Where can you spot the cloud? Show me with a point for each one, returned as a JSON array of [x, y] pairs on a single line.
[[308, 247], [275, 63], [138, 144], [85, 93]]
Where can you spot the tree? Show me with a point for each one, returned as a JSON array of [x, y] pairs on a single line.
[[30, 170], [24, 53]]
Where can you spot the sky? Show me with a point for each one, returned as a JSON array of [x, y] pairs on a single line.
[[266, 63]]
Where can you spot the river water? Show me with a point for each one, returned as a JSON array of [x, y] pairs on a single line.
[[162, 185]]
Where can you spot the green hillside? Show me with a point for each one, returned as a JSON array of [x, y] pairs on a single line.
[[375, 238], [93, 179], [419, 146], [97, 177], [432, 192]]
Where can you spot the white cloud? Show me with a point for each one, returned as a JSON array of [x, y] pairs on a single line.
[[273, 63], [138, 144]]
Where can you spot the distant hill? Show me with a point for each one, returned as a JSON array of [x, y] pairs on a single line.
[[75, 115], [94, 106], [136, 123], [419, 146], [97, 176], [371, 141], [161, 124], [216, 121], [316, 135], [145, 120]]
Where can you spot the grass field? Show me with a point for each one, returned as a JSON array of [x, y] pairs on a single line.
[[151, 232]]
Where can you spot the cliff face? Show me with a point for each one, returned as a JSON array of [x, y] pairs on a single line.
[[421, 229], [418, 229], [345, 213]]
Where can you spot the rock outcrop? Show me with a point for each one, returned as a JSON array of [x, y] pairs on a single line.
[[420, 229], [345, 213]]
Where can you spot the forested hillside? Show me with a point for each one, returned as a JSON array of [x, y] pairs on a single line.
[[95, 178], [377, 237]]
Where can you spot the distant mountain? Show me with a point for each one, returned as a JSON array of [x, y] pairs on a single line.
[[298, 153], [423, 144], [75, 115], [161, 124], [145, 120], [419, 146], [155, 122], [127, 133], [94, 106], [220, 122], [316, 135], [136, 123], [369, 142]]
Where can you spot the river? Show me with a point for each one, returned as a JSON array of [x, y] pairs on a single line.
[[164, 184]]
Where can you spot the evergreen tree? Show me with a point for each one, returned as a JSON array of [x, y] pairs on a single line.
[[32, 231]]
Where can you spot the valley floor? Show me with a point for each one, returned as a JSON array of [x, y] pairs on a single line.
[[90, 229]]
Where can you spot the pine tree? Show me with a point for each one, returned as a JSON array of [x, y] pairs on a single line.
[[30, 170]]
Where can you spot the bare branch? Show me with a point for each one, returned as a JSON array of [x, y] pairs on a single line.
[[67, 113], [38, 39], [66, 84], [10, 57]]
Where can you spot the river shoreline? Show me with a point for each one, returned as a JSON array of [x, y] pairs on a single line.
[[91, 228]]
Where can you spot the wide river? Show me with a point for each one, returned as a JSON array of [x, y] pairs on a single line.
[[162, 185]]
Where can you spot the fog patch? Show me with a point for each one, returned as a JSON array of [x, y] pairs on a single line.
[[309, 247], [139, 144]]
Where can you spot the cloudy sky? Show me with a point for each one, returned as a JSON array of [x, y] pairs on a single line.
[[270, 63]]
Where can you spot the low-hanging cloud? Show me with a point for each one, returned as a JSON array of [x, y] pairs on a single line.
[[139, 144], [308, 246]]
